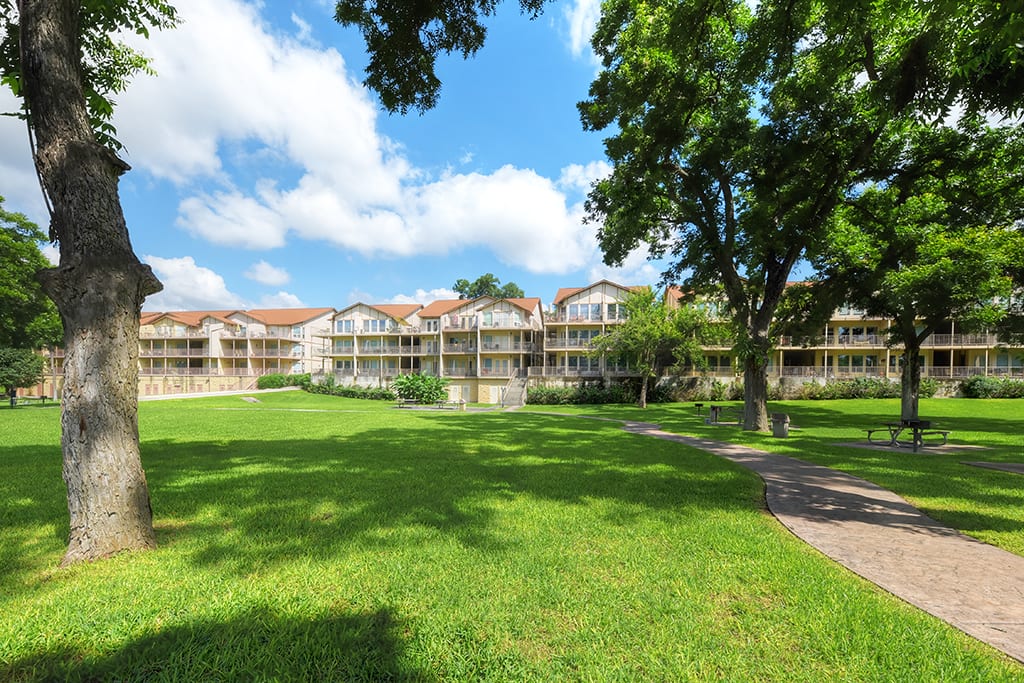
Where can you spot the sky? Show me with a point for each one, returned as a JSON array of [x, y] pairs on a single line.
[[265, 175]]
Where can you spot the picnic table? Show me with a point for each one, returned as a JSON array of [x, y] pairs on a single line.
[[918, 430]]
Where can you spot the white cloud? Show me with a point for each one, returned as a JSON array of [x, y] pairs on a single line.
[[266, 274], [582, 16], [281, 300], [188, 286], [580, 177], [354, 188], [423, 296], [18, 183], [635, 270], [51, 253]]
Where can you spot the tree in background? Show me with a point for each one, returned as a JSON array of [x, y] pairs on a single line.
[[487, 285], [62, 59], [19, 368], [651, 334], [933, 236], [28, 319]]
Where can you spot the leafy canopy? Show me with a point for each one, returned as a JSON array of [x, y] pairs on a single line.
[[19, 368], [487, 285], [28, 318]]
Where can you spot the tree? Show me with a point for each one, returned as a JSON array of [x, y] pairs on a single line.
[[28, 319], [736, 135], [933, 236], [19, 368], [651, 333], [487, 285], [422, 388], [60, 58]]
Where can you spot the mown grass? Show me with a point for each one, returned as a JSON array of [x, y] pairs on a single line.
[[316, 538], [984, 503]]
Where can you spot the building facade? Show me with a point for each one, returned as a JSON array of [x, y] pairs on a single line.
[[491, 349]]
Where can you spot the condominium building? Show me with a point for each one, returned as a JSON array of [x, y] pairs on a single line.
[[490, 349]]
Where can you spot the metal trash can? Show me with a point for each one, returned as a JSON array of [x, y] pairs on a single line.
[[780, 425]]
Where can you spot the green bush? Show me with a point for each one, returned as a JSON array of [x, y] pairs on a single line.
[[279, 381], [593, 393], [368, 393], [981, 386], [422, 388]]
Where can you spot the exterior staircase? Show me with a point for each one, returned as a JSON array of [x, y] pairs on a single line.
[[515, 392]]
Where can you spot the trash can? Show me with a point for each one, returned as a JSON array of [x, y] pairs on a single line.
[[780, 425], [716, 414]]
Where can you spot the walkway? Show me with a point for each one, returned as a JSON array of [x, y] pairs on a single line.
[[976, 587]]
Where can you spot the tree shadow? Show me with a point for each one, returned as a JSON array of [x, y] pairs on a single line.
[[254, 646], [246, 503]]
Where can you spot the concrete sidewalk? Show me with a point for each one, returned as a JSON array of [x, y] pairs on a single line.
[[976, 587]]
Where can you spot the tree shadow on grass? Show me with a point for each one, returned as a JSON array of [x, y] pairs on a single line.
[[258, 645], [242, 504]]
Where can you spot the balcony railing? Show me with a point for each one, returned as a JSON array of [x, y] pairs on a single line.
[[507, 347], [460, 348], [561, 371], [174, 353], [459, 372], [172, 334], [555, 343]]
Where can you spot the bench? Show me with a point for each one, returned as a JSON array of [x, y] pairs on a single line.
[[919, 430], [406, 402]]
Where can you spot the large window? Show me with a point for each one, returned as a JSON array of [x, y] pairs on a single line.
[[376, 325], [344, 326], [584, 311]]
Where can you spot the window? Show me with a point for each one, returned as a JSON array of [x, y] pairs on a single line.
[[431, 325], [344, 326], [297, 332]]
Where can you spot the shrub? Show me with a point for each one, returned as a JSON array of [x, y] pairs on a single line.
[[593, 393], [981, 386], [422, 388], [368, 393]]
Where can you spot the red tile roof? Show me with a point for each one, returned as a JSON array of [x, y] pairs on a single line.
[[438, 308], [286, 316]]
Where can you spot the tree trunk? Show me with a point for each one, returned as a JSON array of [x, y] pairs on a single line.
[[98, 288], [910, 383], [643, 392], [755, 395]]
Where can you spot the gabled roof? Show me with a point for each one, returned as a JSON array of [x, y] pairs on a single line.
[[286, 316], [565, 292], [528, 304], [436, 309], [397, 311], [187, 318]]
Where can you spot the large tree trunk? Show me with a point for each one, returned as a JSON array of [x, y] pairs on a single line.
[[755, 395], [643, 392], [910, 383], [98, 288]]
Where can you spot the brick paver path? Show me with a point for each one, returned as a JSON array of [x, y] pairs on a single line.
[[976, 587]]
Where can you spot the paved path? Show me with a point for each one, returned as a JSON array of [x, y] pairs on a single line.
[[976, 587]]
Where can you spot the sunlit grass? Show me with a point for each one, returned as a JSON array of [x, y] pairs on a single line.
[[314, 538]]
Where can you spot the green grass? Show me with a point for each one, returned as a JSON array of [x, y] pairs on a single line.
[[983, 503], [316, 538]]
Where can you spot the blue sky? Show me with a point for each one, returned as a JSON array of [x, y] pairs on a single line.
[[265, 175]]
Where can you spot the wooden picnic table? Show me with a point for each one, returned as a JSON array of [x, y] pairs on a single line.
[[918, 429]]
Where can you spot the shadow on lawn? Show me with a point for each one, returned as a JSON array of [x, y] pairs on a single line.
[[257, 645], [243, 504]]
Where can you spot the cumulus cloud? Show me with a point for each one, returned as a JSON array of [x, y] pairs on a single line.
[[423, 296], [636, 269], [582, 17], [281, 300], [188, 286], [266, 274], [352, 187]]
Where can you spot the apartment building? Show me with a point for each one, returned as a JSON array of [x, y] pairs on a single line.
[[482, 345], [197, 351], [491, 348]]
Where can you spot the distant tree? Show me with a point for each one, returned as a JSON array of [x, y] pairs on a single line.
[[652, 333], [933, 236], [487, 285], [28, 319], [19, 368]]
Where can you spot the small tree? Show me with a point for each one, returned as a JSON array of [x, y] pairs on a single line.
[[19, 368], [651, 336], [422, 388]]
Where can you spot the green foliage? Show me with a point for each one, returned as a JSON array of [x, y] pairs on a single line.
[[422, 388], [20, 368], [861, 387], [28, 319], [981, 386], [487, 285], [329, 388], [107, 65], [404, 39], [594, 394], [279, 381]]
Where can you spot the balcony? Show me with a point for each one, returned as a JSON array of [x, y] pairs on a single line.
[[556, 343], [459, 372], [507, 347], [460, 348], [174, 353], [173, 334], [561, 371]]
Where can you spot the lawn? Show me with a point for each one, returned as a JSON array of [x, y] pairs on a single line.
[[317, 538]]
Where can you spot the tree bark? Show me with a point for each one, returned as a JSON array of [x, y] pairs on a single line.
[[643, 392], [755, 395], [910, 383], [99, 289]]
